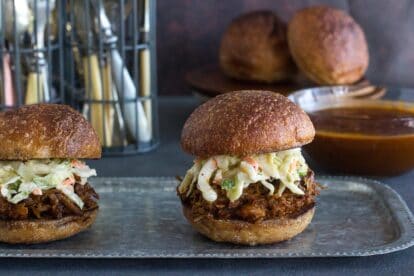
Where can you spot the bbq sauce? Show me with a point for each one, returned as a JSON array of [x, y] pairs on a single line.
[[375, 140]]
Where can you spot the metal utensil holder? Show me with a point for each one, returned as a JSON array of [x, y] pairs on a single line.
[[31, 52], [110, 59]]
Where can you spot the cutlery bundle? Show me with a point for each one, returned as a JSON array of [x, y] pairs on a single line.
[[111, 49], [96, 55], [29, 47]]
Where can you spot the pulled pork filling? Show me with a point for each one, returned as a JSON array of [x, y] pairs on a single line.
[[52, 204], [46, 188], [255, 204], [251, 188]]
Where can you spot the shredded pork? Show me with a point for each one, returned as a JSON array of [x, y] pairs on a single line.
[[52, 204], [255, 204]]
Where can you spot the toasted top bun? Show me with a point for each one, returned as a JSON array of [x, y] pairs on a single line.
[[46, 131], [254, 47], [243, 123], [328, 45]]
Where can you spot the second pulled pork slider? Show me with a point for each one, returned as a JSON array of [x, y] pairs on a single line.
[[43, 183], [249, 183]]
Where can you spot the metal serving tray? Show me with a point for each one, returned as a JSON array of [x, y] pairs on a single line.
[[141, 218]]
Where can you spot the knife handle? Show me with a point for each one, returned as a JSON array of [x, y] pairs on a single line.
[[109, 110], [123, 80], [34, 88], [145, 84], [93, 89], [9, 96]]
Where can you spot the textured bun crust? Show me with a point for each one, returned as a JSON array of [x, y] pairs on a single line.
[[42, 230], [254, 47], [241, 232], [242, 123], [46, 131], [328, 45]]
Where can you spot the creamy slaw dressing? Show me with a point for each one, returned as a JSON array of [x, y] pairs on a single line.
[[286, 166], [18, 179]]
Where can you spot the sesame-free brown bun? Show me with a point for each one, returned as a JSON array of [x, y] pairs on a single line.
[[44, 230], [328, 45], [254, 47], [246, 233], [46, 131], [242, 123]]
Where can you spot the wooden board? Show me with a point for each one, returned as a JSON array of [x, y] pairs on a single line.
[[210, 81]]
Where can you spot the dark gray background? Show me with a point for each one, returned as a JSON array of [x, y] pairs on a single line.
[[169, 160]]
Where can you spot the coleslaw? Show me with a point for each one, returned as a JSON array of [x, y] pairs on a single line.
[[18, 179], [235, 174]]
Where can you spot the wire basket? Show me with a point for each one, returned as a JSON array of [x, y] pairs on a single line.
[[111, 71], [31, 55]]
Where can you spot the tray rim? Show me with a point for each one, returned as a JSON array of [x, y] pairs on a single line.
[[393, 200]]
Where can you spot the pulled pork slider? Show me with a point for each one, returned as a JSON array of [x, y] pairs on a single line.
[[249, 183], [43, 184]]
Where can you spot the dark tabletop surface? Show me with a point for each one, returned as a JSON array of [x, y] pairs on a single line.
[[169, 160]]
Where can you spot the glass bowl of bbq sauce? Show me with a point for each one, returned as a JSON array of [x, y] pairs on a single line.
[[358, 135]]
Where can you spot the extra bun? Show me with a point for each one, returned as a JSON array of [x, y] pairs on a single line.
[[328, 45], [242, 123], [44, 230], [46, 131], [241, 232], [254, 47]]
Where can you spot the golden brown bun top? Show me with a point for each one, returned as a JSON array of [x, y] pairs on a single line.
[[246, 122], [328, 45], [254, 47], [43, 131]]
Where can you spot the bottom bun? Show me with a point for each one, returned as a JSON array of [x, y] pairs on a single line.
[[242, 232], [44, 230]]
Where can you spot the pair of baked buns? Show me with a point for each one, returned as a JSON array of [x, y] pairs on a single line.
[[327, 45]]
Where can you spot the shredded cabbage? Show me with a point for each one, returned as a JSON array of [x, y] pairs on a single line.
[[288, 166], [18, 180]]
